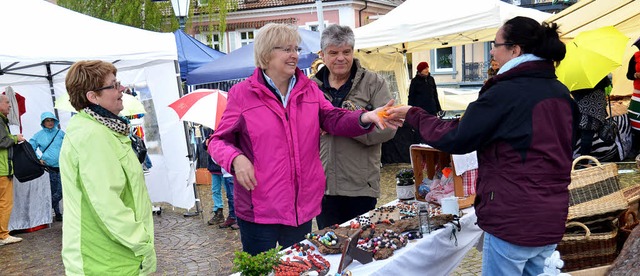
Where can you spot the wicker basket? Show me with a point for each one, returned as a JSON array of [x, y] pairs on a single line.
[[632, 193], [586, 250], [595, 190]]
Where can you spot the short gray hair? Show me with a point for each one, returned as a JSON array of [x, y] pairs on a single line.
[[336, 35], [270, 36]]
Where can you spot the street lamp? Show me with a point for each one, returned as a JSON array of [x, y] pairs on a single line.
[[181, 10]]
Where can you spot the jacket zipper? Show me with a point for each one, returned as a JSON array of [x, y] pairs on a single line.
[[295, 186]]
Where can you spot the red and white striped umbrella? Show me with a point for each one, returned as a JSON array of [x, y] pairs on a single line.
[[202, 106]]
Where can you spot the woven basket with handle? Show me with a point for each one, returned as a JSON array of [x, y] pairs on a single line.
[[585, 249], [595, 190]]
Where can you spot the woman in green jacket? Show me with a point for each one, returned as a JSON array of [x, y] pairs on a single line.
[[108, 225]]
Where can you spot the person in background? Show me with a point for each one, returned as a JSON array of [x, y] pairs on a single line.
[[592, 103], [49, 141], [423, 92], [108, 224], [351, 165], [494, 67], [7, 140], [219, 176], [269, 138], [523, 130], [633, 73]]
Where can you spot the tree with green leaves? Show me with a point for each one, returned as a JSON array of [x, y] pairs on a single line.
[[153, 15]]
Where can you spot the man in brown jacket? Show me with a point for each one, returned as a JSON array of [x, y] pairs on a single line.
[[352, 165]]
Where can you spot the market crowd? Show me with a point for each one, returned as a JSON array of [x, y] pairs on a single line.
[[290, 148]]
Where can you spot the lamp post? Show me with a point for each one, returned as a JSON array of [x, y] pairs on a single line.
[[181, 10], [320, 16]]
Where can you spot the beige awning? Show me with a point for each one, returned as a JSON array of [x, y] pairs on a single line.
[[592, 14]]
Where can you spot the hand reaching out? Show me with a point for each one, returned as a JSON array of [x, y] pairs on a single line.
[[245, 173], [398, 112], [381, 121]]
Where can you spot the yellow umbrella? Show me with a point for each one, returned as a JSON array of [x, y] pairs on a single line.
[[591, 55], [131, 105]]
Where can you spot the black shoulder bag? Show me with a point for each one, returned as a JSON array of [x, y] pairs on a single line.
[[609, 129]]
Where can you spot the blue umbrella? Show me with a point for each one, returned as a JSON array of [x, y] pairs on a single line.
[[241, 63]]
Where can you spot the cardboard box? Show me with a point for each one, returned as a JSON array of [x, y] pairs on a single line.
[[203, 176]]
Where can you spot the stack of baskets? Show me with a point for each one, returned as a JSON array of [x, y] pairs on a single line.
[[595, 202]]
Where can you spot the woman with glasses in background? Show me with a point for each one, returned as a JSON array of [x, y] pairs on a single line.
[[522, 129], [269, 139], [108, 228]]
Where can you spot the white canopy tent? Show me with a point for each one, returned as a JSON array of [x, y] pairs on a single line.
[[418, 25], [587, 15], [34, 58]]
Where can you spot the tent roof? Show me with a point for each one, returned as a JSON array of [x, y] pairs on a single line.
[[193, 53], [587, 15], [419, 25], [591, 14], [241, 63], [73, 36]]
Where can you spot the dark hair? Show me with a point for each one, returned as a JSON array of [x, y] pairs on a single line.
[[534, 38]]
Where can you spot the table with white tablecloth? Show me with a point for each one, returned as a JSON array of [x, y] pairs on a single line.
[[31, 203], [437, 253]]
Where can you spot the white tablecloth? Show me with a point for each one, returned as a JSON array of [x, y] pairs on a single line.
[[434, 254], [31, 203]]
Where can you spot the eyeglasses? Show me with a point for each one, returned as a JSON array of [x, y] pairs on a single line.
[[494, 44], [49, 120], [116, 85], [289, 50]]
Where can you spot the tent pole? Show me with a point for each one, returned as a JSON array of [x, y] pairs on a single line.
[[53, 92], [190, 148]]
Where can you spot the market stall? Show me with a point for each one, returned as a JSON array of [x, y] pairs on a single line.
[[437, 253]]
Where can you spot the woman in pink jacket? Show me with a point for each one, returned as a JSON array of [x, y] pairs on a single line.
[[268, 138]]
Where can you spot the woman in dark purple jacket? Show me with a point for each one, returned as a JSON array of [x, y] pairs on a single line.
[[522, 127]]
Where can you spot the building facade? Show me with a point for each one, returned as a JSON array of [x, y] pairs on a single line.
[[243, 23]]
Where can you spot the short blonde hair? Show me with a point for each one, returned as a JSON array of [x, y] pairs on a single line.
[[85, 76], [270, 36]]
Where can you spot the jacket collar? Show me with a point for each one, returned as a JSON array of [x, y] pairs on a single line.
[[536, 69]]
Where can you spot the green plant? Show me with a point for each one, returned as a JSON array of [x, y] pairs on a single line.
[[404, 177], [258, 265]]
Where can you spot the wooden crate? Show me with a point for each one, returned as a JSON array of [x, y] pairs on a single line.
[[431, 158]]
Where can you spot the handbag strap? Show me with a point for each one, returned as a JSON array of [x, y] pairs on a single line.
[[52, 139]]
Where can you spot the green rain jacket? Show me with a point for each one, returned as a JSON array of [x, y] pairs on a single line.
[[6, 142], [108, 223]]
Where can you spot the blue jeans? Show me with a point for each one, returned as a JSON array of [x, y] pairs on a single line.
[[500, 257], [216, 191], [228, 187], [258, 238], [56, 191]]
